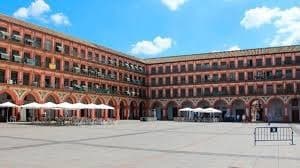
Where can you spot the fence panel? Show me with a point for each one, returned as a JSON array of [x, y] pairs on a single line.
[[273, 134]]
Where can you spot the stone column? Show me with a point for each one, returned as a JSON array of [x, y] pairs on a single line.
[[117, 111], [286, 115], [248, 115]]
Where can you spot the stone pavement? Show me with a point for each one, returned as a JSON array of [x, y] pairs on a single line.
[[144, 144]]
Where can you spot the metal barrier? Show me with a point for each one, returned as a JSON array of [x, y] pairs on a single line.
[[274, 134]]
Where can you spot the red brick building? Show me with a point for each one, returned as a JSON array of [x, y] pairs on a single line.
[[37, 64]]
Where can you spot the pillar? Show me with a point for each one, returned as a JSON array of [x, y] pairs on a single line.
[[93, 115], [286, 115], [117, 111], [248, 116]]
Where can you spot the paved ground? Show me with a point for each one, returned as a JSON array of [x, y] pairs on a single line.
[[151, 144]]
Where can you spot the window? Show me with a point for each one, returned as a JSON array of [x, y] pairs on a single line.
[[240, 63], [215, 91], [48, 45], [175, 68], [223, 91], [250, 75], [182, 93], [297, 73], [37, 42], [241, 90], [198, 78], [175, 93], [26, 78], [168, 69], [289, 74], [168, 80], [2, 76], [67, 49], [153, 94], [260, 89], [191, 92], [175, 80], [82, 53], [14, 77], [160, 70], [297, 59], [278, 74], [250, 90], [153, 70], [153, 81], [191, 79], [268, 61], [232, 90], [160, 81], [241, 76], [182, 68], [215, 65], [289, 88], [259, 62], [223, 65], [28, 40], [74, 52], [232, 76], [199, 93], [37, 60], [190, 67], [198, 67], [90, 56], [269, 89], [182, 79], [249, 63], [206, 91], [278, 61], [223, 77], [279, 89], [160, 94], [168, 93], [231, 64], [48, 62]]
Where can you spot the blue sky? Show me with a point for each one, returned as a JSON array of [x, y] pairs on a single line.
[[151, 28]]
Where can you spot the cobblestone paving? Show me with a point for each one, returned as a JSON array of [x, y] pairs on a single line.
[[144, 144]]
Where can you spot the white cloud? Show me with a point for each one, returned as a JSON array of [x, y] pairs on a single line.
[[233, 48], [36, 9], [158, 45], [40, 10], [60, 19], [173, 5], [286, 22]]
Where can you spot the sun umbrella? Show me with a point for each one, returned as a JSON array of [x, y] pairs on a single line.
[[212, 110], [49, 105], [33, 105], [107, 107], [186, 109], [198, 110], [80, 106], [9, 105], [67, 106]]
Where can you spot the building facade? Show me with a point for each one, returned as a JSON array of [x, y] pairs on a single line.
[[37, 64]]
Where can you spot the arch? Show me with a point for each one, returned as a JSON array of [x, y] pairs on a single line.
[[112, 113], [256, 109], [70, 98], [187, 103], [133, 110], [99, 100], [172, 110], [7, 96], [221, 105], [30, 114], [203, 104], [157, 110], [142, 108], [11, 93], [238, 109], [294, 109], [275, 109], [34, 94], [123, 109], [53, 97], [85, 99]]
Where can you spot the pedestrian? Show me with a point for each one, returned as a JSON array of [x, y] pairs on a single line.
[[244, 118]]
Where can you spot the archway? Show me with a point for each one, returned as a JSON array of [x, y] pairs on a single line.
[[50, 113], [157, 110], [172, 110], [30, 114], [238, 109], [99, 112], [142, 107], [111, 113], [6, 113], [221, 105], [85, 112], [123, 106], [187, 103], [275, 110], [69, 113], [294, 109], [133, 110], [256, 110], [203, 104]]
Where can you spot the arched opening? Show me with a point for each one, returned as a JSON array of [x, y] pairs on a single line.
[[69, 113], [294, 110], [203, 104], [275, 110], [186, 104], [172, 110], [30, 114], [238, 109], [142, 107], [123, 115], [6, 113], [133, 111], [256, 110], [51, 113], [98, 112], [111, 113], [157, 110], [221, 105], [85, 112]]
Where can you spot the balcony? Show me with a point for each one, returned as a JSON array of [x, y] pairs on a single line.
[[16, 38], [29, 61], [4, 35], [4, 56], [76, 70], [17, 58]]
